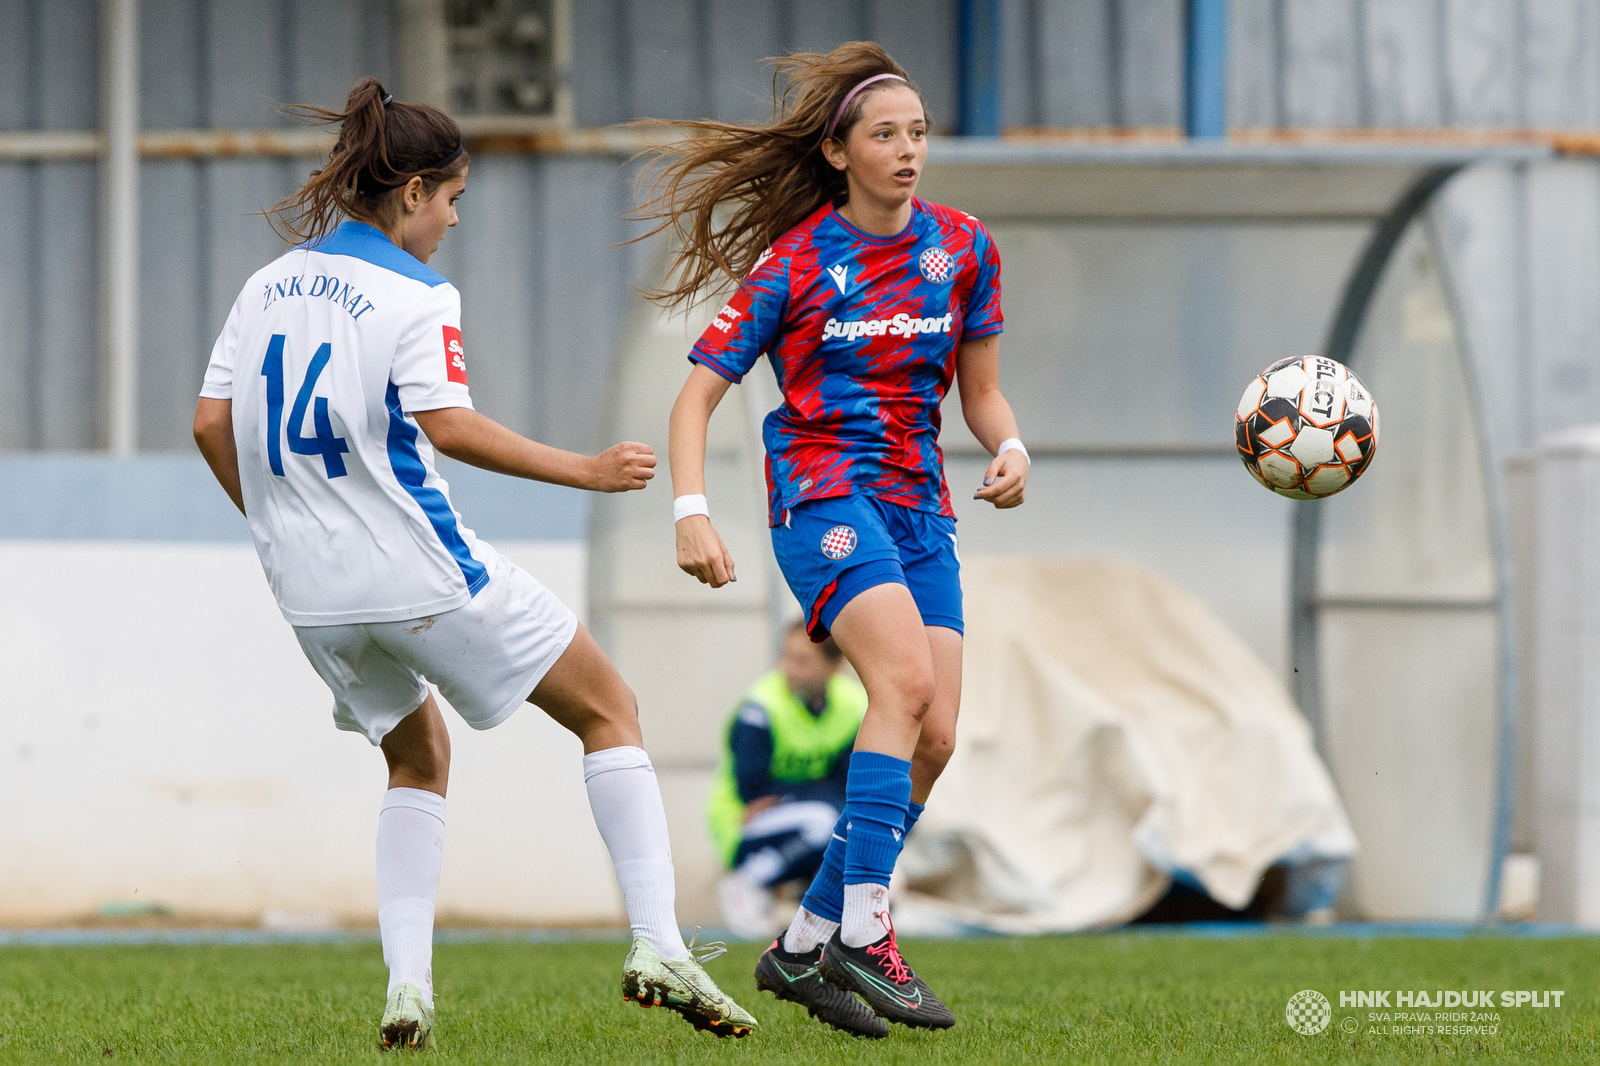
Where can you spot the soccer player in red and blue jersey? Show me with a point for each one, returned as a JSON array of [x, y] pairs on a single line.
[[868, 302]]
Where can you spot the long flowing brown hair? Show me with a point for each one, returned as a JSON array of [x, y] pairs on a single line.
[[382, 145], [769, 177]]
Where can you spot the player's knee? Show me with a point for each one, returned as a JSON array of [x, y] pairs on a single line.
[[435, 753], [618, 708], [422, 763], [614, 714], [935, 747], [911, 689]]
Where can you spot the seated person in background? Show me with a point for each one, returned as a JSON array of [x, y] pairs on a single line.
[[780, 787]]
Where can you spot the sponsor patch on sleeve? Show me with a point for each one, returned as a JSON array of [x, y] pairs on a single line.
[[455, 356]]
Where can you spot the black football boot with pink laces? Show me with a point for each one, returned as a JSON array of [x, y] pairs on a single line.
[[879, 975], [794, 977]]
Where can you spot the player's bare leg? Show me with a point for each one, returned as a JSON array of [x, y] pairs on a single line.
[[410, 852], [788, 969], [794, 975], [937, 741], [418, 750], [881, 632], [902, 663], [584, 692]]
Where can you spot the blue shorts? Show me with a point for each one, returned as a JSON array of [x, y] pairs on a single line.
[[832, 550]]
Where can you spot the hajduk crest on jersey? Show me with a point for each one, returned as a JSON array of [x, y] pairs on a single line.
[[936, 265]]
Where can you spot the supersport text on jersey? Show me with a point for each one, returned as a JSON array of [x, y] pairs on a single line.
[[862, 332], [326, 353], [901, 325]]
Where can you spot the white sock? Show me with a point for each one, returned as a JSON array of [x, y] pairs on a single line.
[[807, 932], [410, 852], [626, 801], [864, 906]]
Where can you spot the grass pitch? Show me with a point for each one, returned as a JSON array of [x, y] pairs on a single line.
[[1095, 999]]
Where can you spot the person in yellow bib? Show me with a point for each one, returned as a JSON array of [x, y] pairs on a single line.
[[781, 783]]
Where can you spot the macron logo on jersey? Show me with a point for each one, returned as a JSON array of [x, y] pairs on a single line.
[[838, 273], [901, 325], [455, 356]]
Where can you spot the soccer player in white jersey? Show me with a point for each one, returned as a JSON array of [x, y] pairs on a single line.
[[339, 373]]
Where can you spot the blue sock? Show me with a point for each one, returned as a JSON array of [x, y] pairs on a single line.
[[825, 897], [877, 795]]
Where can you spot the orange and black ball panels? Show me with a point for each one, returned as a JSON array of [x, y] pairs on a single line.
[[1307, 427]]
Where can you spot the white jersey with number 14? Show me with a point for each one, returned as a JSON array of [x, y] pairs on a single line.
[[325, 354]]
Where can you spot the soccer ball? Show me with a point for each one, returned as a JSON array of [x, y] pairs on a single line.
[[1306, 428]]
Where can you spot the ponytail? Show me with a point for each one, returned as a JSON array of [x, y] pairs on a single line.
[[771, 178], [382, 145]]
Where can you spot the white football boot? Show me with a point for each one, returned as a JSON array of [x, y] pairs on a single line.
[[652, 980], [407, 1021]]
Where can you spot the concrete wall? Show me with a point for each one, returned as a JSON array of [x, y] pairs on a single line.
[[168, 744]]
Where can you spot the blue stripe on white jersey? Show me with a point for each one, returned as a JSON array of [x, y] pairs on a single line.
[[412, 475], [325, 352]]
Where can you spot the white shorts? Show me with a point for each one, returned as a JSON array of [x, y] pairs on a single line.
[[486, 657]]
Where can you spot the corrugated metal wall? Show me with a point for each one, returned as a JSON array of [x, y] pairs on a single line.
[[699, 58], [220, 63], [1414, 63], [1092, 63], [1310, 63], [47, 238], [536, 256]]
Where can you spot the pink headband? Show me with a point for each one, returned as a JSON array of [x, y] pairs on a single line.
[[851, 95]]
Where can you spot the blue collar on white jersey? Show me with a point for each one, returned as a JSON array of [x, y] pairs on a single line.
[[361, 241]]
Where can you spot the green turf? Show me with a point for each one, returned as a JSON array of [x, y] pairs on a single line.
[[1110, 999]]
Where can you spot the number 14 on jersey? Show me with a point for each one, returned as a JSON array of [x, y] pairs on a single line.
[[325, 444]]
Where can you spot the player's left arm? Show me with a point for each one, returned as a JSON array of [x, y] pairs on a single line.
[[989, 417], [478, 440], [213, 432]]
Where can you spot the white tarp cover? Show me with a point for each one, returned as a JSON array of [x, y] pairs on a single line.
[[1113, 731]]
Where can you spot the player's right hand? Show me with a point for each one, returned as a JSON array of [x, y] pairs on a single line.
[[701, 552], [629, 465]]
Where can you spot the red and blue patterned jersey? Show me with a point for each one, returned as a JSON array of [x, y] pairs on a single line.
[[862, 332]]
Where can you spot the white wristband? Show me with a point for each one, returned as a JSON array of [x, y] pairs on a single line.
[[684, 506], [1012, 444]]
